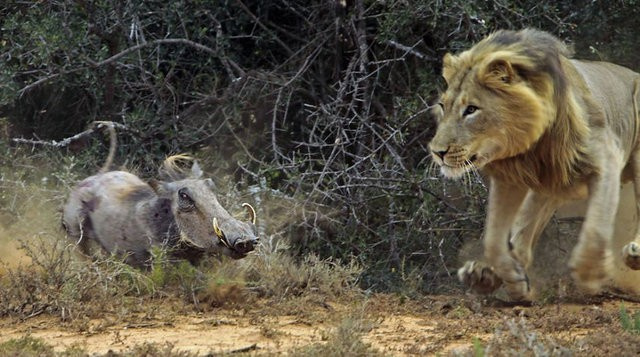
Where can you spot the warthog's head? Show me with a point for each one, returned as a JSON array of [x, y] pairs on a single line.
[[201, 220]]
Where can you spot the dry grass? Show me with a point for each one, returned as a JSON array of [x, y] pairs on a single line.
[[344, 340], [41, 274], [35, 347], [56, 283], [274, 273]]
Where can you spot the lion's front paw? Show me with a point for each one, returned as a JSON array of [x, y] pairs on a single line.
[[631, 255], [591, 270], [484, 279], [480, 277]]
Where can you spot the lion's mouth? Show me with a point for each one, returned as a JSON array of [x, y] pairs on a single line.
[[458, 169], [466, 163]]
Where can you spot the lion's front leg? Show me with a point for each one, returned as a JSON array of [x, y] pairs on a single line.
[[500, 268], [592, 260], [531, 220]]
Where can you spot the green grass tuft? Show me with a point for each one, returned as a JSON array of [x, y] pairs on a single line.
[[630, 323]]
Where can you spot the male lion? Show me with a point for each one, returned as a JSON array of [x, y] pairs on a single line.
[[546, 129]]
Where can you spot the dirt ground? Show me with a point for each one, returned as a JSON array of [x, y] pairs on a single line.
[[436, 325]]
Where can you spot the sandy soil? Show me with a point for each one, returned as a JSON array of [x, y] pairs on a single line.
[[439, 325]]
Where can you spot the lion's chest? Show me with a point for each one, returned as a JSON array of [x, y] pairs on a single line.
[[540, 181]]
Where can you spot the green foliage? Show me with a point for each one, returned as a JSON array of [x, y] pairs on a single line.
[[166, 274], [630, 323], [478, 349]]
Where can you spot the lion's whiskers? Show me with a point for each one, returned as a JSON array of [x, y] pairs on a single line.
[[432, 168], [468, 166], [476, 174]]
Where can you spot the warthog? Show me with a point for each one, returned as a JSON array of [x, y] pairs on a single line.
[[128, 216]]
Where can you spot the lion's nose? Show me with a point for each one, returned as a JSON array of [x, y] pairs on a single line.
[[440, 153]]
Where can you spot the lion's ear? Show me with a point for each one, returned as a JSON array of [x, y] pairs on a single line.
[[498, 72], [449, 64]]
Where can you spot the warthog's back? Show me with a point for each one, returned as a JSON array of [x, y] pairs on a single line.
[[107, 208]]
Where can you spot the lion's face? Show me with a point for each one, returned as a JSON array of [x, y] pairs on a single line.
[[489, 112]]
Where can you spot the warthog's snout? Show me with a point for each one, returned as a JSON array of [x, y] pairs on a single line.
[[238, 237], [245, 245]]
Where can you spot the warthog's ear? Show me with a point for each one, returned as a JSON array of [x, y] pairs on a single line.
[[209, 182], [196, 170], [160, 187]]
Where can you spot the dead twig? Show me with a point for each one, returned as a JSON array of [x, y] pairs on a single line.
[[243, 349], [98, 125]]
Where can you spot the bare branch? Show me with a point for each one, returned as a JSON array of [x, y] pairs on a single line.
[[411, 50], [165, 41], [98, 125], [264, 27]]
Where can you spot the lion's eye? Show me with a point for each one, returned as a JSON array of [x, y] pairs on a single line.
[[469, 110]]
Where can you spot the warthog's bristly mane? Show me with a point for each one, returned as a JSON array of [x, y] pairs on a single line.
[[179, 167]]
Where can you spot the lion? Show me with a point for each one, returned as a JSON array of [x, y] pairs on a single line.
[[546, 129]]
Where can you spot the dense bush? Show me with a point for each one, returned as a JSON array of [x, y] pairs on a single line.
[[322, 103]]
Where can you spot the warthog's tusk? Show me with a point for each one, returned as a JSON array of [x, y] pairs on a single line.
[[219, 233], [251, 211]]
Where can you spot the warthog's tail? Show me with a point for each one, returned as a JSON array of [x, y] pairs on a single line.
[[113, 142], [176, 167]]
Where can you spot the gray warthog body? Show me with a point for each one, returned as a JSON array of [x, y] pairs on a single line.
[[128, 216]]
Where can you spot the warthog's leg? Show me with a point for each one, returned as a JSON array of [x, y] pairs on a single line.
[[504, 202], [591, 261], [78, 230]]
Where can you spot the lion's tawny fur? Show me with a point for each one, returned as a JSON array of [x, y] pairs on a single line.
[[546, 128]]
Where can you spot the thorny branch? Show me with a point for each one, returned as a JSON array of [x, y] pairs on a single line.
[[93, 64]]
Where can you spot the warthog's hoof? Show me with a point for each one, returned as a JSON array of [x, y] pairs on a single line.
[[480, 277], [631, 255], [590, 270]]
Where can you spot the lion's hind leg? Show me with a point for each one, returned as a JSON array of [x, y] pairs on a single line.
[[631, 251], [591, 261]]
